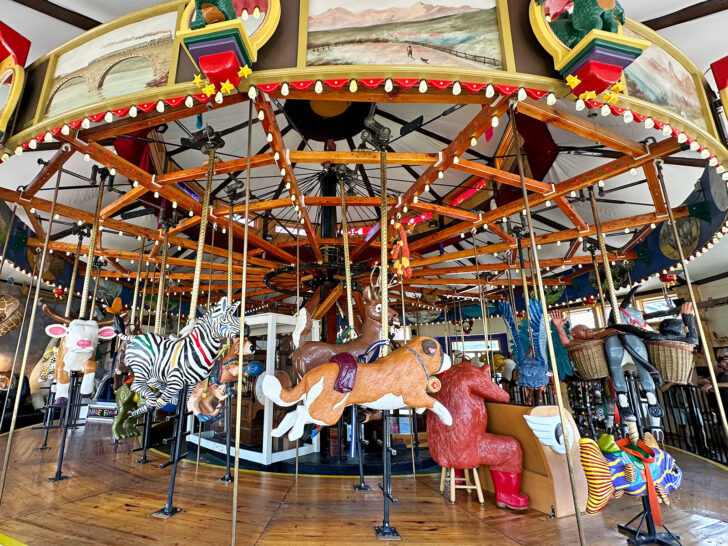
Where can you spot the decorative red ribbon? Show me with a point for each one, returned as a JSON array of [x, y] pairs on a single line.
[[639, 451]]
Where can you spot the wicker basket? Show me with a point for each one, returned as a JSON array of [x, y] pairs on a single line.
[[673, 359], [589, 359]]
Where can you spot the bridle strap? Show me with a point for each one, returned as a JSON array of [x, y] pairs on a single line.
[[419, 358]]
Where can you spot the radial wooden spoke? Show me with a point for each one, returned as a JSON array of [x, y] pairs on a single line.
[[443, 210], [270, 125], [603, 172], [573, 249], [45, 174], [477, 126], [483, 171], [125, 200], [223, 167], [329, 302], [638, 237], [474, 282], [548, 238], [506, 237], [578, 126], [570, 212], [655, 191], [35, 223]]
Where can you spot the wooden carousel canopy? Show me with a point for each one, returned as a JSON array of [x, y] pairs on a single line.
[[456, 111]]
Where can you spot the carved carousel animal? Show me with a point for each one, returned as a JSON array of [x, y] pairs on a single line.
[[124, 425], [166, 363], [465, 444], [532, 371], [77, 350], [42, 374], [212, 11], [615, 468], [392, 382], [587, 15], [11, 315], [311, 354], [207, 399]]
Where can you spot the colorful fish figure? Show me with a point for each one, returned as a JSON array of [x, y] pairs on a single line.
[[610, 472]]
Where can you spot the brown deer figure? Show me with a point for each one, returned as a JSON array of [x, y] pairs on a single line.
[[314, 353]]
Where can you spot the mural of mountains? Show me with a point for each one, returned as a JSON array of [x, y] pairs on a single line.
[[338, 17]]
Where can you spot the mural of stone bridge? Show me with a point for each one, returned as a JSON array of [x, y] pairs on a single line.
[[157, 52]]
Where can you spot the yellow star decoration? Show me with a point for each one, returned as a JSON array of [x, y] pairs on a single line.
[[209, 89], [198, 81], [244, 71], [618, 87], [227, 87], [572, 81], [588, 95], [611, 98]]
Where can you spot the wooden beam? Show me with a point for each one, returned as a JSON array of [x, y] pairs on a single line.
[[653, 184], [60, 13], [506, 237], [638, 237], [477, 126], [483, 171], [270, 126], [570, 212], [690, 13], [573, 248], [123, 201], [329, 302], [619, 166], [473, 282], [443, 210], [35, 223], [45, 174], [581, 127]]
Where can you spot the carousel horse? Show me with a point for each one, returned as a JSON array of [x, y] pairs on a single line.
[[624, 347], [11, 314], [399, 379], [207, 399], [167, 363], [311, 354], [77, 350], [615, 468], [465, 444]]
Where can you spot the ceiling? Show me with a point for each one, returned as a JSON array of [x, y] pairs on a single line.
[[46, 31]]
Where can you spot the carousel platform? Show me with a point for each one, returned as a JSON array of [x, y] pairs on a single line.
[[108, 499]]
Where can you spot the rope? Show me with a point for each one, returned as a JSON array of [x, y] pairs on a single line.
[[137, 280], [74, 274], [144, 297], [239, 405], [703, 338], [550, 341], [91, 250], [598, 277], [97, 278], [209, 280], [605, 259], [162, 282], [347, 267], [29, 336], [203, 232]]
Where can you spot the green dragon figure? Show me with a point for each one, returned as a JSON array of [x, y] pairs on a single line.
[[124, 426], [586, 16], [212, 12]]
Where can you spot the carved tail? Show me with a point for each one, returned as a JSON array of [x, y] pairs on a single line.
[[304, 323]]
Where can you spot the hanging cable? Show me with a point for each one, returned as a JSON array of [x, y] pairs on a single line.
[[162, 282], [483, 302], [137, 280], [347, 266], [74, 274]]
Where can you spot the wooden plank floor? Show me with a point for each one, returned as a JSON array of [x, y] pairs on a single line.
[[108, 500]]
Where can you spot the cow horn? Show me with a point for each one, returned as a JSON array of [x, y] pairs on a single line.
[[55, 316], [109, 321]]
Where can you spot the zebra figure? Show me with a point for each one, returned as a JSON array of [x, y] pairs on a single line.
[[166, 363]]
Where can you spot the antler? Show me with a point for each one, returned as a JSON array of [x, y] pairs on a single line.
[[55, 316]]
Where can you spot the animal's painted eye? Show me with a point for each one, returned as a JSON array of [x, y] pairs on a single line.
[[379, 308]]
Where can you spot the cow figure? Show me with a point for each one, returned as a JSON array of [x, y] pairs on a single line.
[[77, 350]]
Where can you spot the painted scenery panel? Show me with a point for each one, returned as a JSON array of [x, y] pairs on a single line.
[[404, 32], [659, 78], [122, 61]]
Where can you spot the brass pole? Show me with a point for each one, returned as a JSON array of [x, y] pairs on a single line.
[[230, 251], [347, 268], [384, 269], [598, 277], [144, 297], [91, 250], [483, 302], [7, 239], [242, 312], [74, 274], [550, 341], [162, 279], [29, 336], [693, 299], [97, 278], [209, 280], [201, 240], [137, 280]]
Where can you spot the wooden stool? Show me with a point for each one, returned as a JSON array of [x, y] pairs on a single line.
[[465, 479]]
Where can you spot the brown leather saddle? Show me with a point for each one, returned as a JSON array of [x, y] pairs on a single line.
[[347, 372]]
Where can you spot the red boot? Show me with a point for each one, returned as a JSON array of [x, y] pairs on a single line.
[[507, 490]]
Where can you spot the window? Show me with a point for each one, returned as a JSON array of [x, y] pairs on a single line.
[[582, 316], [656, 304], [476, 347]]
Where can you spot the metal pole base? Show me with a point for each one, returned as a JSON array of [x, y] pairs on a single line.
[[143, 460], [57, 478], [226, 479], [42, 448], [638, 537], [166, 512], [361, 487], [387, 533]]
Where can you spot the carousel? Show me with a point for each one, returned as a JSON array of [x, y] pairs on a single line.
[[294, 240]]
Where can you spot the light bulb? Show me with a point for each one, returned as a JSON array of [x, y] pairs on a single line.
[[473, 141]]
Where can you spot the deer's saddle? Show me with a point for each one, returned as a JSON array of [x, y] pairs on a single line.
[[347, 372]]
